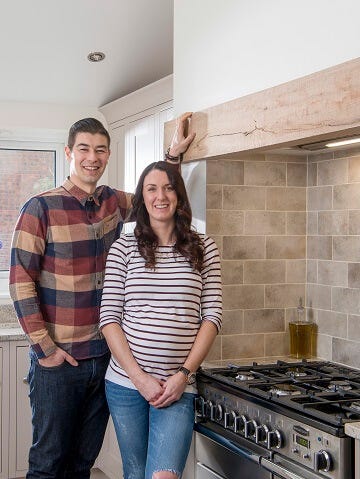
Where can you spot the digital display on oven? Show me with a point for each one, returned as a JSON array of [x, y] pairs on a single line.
[[302, 441]]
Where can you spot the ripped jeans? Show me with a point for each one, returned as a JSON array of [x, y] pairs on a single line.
[[150, 439]]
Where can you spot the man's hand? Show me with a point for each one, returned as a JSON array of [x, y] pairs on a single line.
[[182, 136], [57, 358]]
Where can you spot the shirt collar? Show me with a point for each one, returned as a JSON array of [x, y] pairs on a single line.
[[81, 195]]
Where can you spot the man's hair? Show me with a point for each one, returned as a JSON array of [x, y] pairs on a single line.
[[87, 125]]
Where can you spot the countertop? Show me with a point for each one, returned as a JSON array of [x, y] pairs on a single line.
[[11, 332]]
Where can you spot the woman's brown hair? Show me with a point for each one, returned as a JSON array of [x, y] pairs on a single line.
[[188, 242]]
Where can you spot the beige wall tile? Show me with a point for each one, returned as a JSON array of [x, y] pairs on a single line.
[[285, 199], [285, 247], [243, 296], [264, 272], [333, 172], [354, 275], [295, 271], [333, 273], [333, 222], [285, 158], [296, 174], [324, 347], [311, 265], [346, 352], [264, 320], [225, 171], [232, 272], [232, 222], [320, 156], [312, 223], [243, 346], [346, 197], [320, 198], [214, 197], [319, 247], [354, 169], [283, 295], [312, 174], [233, 322], [219, 243], [296, 223], [354, 222], [346, 300], [332, 323], [276, 344], [354, 327], [318, 296], [264, 223], [347, 153], [264, 174], [346, 248], [214, 222], [243, 247], [244, 198]]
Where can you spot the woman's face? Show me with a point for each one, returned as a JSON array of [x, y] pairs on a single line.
[[160, 197]]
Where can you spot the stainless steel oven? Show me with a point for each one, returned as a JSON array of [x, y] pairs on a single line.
[[283, 420]]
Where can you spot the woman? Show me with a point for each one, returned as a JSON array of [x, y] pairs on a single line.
[[160, 313]]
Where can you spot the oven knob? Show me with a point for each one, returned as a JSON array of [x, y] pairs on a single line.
[[200, 407], [209, 409], [250, 428], [240, 422], [230, 419], [323, 461], [261, 433], [274, 439], [219, 412]]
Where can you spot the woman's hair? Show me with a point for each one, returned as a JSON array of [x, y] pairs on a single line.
[[188, 242]]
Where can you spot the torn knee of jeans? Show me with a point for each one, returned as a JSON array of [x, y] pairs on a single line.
[[166, 474]]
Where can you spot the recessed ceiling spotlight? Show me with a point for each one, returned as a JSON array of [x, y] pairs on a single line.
[[96, 57]]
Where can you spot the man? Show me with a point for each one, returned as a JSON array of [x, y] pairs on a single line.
[[58, 256]]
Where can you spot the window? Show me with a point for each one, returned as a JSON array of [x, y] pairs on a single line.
[[26, 168]]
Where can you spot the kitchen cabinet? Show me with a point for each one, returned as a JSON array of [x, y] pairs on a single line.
[[15, 415], [136, 127]]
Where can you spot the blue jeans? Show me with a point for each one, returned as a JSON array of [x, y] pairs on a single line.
[[69, 418], [150, 439]]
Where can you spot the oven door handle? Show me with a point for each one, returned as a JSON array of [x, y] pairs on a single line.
[[242, 451], [278, 470]]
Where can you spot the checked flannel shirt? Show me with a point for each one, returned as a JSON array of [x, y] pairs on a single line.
[[58, 256]]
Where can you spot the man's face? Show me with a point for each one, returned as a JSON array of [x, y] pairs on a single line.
[[88, 159]]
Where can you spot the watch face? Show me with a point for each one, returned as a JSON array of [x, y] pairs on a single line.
[[191, 378]]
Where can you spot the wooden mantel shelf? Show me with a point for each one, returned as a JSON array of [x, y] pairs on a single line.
[[312, 108]]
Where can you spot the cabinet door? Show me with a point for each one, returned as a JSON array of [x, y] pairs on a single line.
[[4, 408], [20, 413]]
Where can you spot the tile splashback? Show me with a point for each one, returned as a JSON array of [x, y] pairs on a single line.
[[287, 226]]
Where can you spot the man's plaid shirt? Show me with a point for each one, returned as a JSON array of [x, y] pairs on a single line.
[[58, 257]]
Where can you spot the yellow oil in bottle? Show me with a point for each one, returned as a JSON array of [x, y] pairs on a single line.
[[302, 335]]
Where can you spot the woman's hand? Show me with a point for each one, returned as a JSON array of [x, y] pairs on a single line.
[[148, 386], [182, 137], [173, 389]]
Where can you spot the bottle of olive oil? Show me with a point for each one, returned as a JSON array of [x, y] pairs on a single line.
[[302, 334]]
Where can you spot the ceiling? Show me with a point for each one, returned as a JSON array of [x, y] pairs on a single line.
[[45, 44]]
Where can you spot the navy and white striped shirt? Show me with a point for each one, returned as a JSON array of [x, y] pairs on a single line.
[[160, 310]]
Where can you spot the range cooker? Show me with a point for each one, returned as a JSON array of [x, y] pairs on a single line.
[[276, 420]]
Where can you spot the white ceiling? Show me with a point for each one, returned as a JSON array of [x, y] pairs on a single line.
[[45, 43]]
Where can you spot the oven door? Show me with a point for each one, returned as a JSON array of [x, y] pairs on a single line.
[[218, 457]]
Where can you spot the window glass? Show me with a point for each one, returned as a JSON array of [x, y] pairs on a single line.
[[23, 173]]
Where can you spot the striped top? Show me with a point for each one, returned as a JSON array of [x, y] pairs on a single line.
[[58, 257], [160, 310]]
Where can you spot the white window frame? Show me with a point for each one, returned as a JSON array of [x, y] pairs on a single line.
[[51, 140]]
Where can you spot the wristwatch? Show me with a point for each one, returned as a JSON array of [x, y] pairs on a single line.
[[190, 377]]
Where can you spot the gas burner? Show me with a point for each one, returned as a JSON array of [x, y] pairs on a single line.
[[355, 406], [284, 390], [244, 377], [295, 373], [339, 386]]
